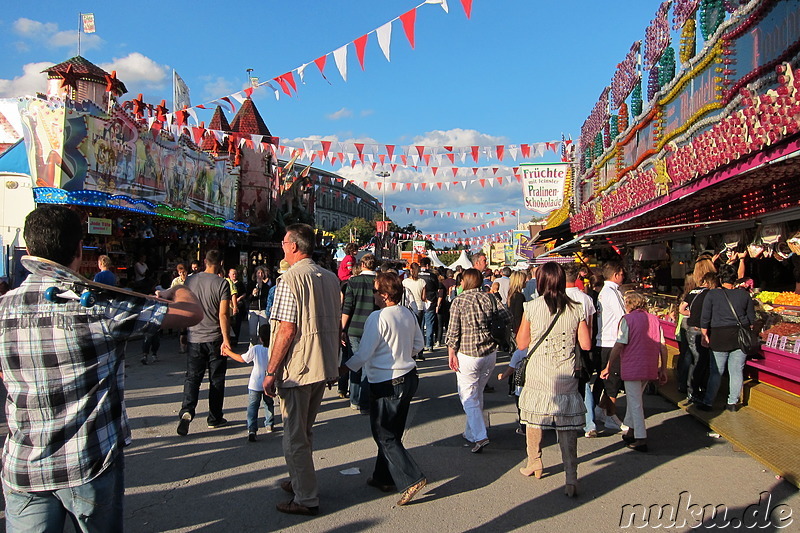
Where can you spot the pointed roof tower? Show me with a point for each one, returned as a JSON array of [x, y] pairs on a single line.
[[218, 122], [78, 69], [248, 120]]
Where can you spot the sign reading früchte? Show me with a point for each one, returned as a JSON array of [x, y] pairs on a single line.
[[543, 186]]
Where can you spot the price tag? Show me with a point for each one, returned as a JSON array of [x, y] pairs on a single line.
[[797, 346], [775, 340], [782, 343], [770, 339]]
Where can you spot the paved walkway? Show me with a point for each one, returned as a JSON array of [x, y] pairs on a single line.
[[214, 480]]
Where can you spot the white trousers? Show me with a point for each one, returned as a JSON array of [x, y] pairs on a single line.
[[634, 410], [472, 376]]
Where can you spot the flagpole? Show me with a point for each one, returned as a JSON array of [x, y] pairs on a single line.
[[80, 22]]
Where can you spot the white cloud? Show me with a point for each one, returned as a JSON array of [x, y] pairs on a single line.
[[33, 28], [458, 137], [31, 81], [217, 88], [338, 115], [48, 33], [137, 71], [367, 112]]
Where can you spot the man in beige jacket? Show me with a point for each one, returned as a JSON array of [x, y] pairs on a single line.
[[304, 356]]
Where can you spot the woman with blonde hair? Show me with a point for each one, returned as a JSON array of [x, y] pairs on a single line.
[[702, 266], [516, 299]]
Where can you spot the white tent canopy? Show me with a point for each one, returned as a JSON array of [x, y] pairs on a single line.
[[435, 261], [462, 261]]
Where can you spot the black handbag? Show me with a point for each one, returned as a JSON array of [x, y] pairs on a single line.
[[519, 372], [498, 328], [748, 342]]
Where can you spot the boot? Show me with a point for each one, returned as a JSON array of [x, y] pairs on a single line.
[[533, 440], [568, 442]]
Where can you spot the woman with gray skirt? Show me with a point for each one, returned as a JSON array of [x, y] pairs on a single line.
[[550, 397]]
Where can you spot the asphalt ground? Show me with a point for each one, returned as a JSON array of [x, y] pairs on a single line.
[[214, 480]]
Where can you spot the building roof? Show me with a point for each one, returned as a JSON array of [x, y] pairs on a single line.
[[85, 69], [248, 120], [218, 122]]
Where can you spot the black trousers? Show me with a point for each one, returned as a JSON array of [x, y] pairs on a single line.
[[202, 356], [389, 404]]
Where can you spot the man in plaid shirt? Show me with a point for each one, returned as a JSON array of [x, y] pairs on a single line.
[[62, 365]]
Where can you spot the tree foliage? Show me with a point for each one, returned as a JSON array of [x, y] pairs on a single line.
[[362, 230]]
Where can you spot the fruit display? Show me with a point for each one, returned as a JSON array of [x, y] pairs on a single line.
[[782, 329], [787, 298], [767, 297]]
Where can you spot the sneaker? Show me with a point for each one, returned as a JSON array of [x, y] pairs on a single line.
[[592, 433], [520, 431], [144, 359], [218, 424], [269, 429], [624, 428], [251, 437], [291, 507], [155, 358], [183, 425]]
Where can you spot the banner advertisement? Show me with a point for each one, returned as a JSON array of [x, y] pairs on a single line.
[[498, 255], [419, 247], [543, 186], [99, 226], [76, 151]]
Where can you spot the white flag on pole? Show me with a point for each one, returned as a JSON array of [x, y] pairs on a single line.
[[180, 92], [88, 22]]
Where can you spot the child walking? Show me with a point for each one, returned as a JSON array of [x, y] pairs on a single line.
[[258, 355]]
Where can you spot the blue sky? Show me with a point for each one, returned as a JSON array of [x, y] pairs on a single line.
[[517, 72]]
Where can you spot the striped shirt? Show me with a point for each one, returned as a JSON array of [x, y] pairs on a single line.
[[470, 315], [63, 367]]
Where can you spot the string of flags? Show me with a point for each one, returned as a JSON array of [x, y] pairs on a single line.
[[452, 237], [453, 214], [287, 83]]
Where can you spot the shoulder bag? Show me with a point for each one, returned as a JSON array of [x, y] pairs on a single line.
[[498, 328], [519, 372], [748, 342]]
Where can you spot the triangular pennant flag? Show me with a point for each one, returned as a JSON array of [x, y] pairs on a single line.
[[424, 185], [390, 150], [394, 185], [326, 146], [500, 152], [475, 153], [439, 184], [320, 63], [384, 34], [455, 171], [500, 180], [361, 48], [526, 151], [340, 56], [408, 19], [467, 4]]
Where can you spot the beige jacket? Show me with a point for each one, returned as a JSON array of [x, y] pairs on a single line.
[[314, 354]]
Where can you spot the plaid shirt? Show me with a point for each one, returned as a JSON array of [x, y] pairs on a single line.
[[62, 365], [470, 314], [284, 308]]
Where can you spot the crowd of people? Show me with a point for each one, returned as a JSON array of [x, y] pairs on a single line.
[[575, 342]]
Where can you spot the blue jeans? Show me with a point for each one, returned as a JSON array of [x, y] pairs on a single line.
[[387, 416], [93, 506], [588, 401], [698, 366], [202, 356], [429, 320], [359, 385], [735, 362], [254, 399]]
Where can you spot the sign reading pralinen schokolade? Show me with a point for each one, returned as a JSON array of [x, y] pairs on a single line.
[[543, 186]]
